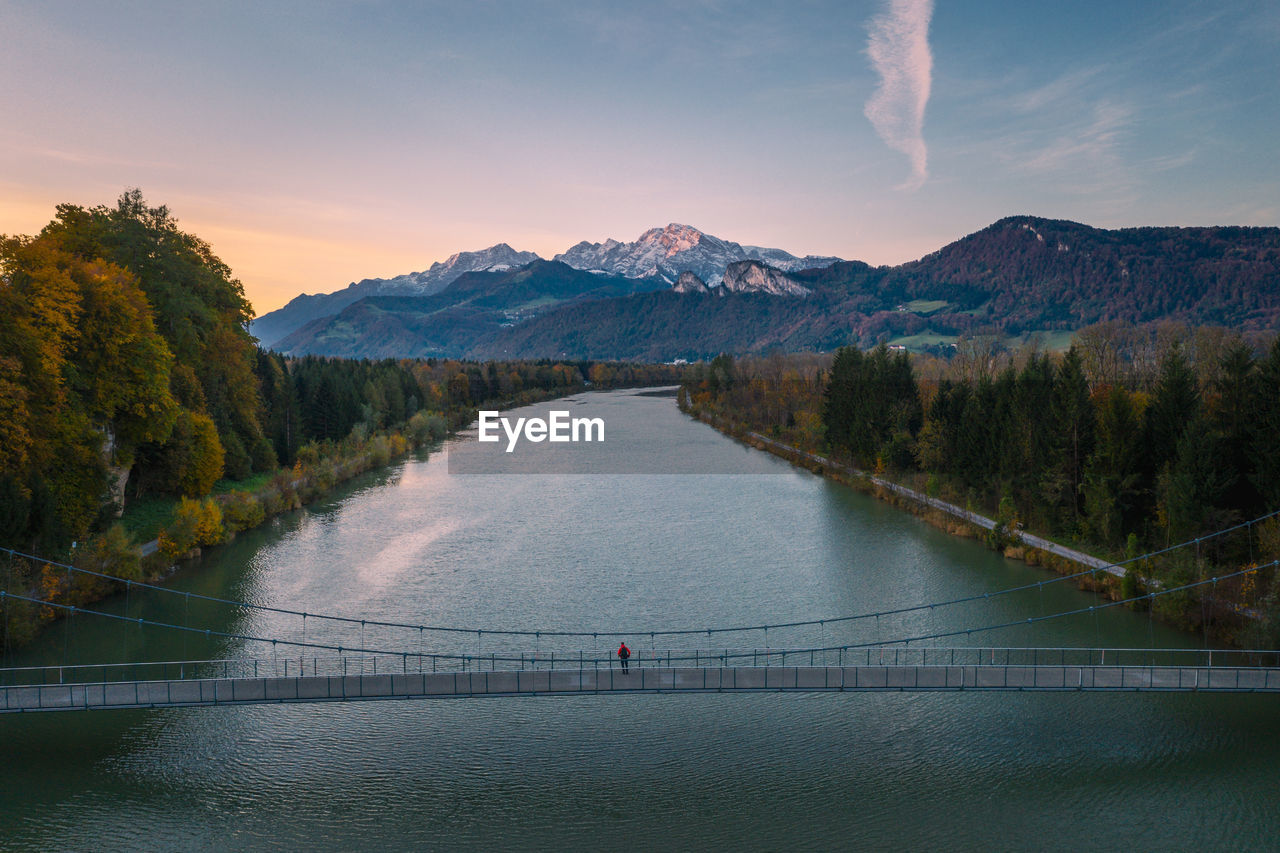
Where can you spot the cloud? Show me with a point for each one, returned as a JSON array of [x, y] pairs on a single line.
[[1090, 146], [898, 44]]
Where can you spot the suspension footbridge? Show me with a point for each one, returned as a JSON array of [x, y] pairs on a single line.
[[243, 682], [400, 661]]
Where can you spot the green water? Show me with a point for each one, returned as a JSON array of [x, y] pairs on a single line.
[[734, 772]]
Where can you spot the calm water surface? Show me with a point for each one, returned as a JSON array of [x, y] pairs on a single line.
[[734, 772]]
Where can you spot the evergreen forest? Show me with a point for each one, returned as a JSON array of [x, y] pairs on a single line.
[[1133, 440]]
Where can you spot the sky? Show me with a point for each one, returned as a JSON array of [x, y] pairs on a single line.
[[317, 143]]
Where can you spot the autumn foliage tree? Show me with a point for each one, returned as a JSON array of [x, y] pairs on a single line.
[[201, 313], [86, 377]]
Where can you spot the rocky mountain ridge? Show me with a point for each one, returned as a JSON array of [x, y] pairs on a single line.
[[270, 328], [665, 253], [1019, 275], [444, 324], [658, 254], [441, 274]]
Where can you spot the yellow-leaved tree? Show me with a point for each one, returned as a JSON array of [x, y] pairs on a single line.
[[85, 377]]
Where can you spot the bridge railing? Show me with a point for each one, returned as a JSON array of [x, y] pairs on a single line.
[[598, 659]]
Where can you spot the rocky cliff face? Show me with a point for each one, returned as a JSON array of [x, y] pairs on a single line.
[[755, 277], [690, 283], [665, 253]]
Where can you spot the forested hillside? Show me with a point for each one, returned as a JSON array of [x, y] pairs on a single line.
[[666, 325], [1026, 272]]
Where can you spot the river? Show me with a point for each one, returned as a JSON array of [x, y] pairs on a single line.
[[726, 536]]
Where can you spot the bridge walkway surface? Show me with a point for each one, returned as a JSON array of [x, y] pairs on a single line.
[[300, 688]]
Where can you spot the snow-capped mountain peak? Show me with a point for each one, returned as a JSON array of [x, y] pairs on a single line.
[[667, 252], [442, 273], [672, 239], [660, 254]]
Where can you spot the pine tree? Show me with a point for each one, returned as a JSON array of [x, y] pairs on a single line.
[[840, 411], [1265, 443], [1233, 423], [1070, 429], [1175, 403], [1113, 478]]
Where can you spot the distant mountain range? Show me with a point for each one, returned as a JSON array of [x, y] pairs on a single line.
[[677, 292], [660, 254], [665, 253], [449, 323], [272, 327]]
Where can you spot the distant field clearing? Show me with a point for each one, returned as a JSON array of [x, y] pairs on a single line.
[[925, 307], [1055, 340]]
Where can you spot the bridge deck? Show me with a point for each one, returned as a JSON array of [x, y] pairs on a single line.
[[271, 689]]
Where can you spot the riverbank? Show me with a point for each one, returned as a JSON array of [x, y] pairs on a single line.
[[1027, 540], [188, 526], [1013, 542], [1225, 620], [321, 468], [114, 557]]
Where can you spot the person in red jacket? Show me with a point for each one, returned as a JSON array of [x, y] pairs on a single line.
[[624, 655]]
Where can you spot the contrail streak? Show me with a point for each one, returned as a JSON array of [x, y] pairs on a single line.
[[898, 44]]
